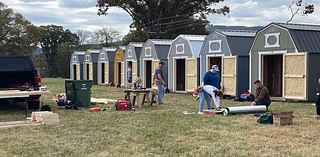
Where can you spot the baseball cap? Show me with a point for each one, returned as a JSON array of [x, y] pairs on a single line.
[[215, 67]]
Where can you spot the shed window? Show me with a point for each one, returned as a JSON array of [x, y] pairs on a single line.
[[74, 59], [87, 58], [103, 56], [271, 40], [180, 48], [129, 53], [148, 51], [215, 46]]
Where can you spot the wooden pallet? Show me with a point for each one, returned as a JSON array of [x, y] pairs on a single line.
[[45, 117], [103, 101], [11, 124], [282, 118]]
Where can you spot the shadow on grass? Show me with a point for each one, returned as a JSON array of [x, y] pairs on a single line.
[[12, 111]]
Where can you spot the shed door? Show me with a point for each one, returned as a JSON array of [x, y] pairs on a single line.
[[295, 76], [229, 75], [122, 73], [106, 72], [91, 72], [155, 65], [134, 70], [191, 74]]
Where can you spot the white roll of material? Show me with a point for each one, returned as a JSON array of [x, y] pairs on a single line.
[[244, 109]]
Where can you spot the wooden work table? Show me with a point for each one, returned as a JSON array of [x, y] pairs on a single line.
[[135, 93]]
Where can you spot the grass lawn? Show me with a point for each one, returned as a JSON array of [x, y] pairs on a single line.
[[159, 131]]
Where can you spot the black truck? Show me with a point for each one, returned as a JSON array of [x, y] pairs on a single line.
[[18, 75]]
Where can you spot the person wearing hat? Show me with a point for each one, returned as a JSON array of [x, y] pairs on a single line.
[[212, 84], [159, 81], [262, 95]]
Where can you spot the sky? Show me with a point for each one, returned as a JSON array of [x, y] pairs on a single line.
[[82, 14]]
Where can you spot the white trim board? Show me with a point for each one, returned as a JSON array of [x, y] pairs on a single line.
[[174, 70]]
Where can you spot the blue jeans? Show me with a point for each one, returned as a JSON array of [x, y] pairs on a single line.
[[204, 96], [160, 93], [263, 102]]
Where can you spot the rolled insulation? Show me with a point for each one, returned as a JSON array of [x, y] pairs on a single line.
[[244, 109]]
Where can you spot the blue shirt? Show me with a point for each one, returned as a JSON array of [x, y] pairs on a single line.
[[212, 78]]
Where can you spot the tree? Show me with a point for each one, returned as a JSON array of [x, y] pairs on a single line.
[[83, 36], [51, 38], [106, 36], [296, 6], [165, 18], [17, 35], [134, 36]]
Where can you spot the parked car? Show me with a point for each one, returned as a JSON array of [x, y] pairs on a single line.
[[18, 73]]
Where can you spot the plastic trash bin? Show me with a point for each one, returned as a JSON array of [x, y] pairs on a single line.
[[79, 92]]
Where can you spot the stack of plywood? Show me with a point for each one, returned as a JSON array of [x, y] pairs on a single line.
[[45, 117], [282, 118]]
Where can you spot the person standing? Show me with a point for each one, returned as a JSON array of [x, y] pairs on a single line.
[[212, 84], [204, 96], [159, 81], [129, 74], [262, 95]]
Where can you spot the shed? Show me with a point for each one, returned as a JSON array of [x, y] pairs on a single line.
[[154, 51], [106, 65], [76, 65], [119, 66], [132, 60], [184, 63], [285, 57], [91, 65], [230, 51]]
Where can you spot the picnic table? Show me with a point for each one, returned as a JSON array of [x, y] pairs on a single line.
[[135, 93]]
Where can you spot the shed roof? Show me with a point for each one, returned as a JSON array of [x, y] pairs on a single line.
[[305, 37], [161, 41], [110, 52], [136, 44], [80, 55], [239, 41], [94, 53], [193, 37], [195, 42]]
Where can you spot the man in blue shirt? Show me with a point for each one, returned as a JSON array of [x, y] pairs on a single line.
[[211, 84], [158, 79]]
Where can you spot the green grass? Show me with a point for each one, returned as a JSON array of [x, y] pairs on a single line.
[[159, 131]]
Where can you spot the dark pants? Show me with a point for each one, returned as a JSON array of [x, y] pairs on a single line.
[[263, 102], [318, 105]]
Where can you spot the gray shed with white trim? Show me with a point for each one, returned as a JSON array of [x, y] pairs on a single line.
[[285, 57], [184, 63], [76, 65], [91, 65], [106, 65], [230, 51], [153, 51], [132, 59]]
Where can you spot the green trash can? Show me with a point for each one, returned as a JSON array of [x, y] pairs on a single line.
[[79, 92]]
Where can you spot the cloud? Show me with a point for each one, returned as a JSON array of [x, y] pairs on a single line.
[[77, 3], [71, 14], [82, 14], [260, 13]]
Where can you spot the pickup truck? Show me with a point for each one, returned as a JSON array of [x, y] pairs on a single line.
[[18, 74]]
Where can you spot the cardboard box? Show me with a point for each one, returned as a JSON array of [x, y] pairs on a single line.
[[282, 118]]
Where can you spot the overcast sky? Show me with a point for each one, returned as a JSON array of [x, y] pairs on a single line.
[[82, 14]]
